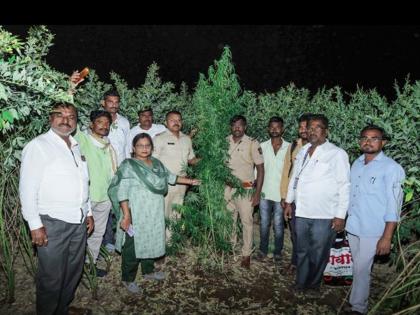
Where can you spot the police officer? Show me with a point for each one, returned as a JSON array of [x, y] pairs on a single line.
[[244, 153], [174, 149]]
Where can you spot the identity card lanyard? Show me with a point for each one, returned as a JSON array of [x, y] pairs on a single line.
[[302, 168]]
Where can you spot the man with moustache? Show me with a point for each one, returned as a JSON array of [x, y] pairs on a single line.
[[375, 204], [174, 149], [102, 164], [245, 153], [54, 194], [146, 125], [119, 136], [274, 153], [320, 188], [291, 154]]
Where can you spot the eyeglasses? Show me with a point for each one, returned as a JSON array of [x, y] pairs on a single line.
[[367, 139], [141, 146]]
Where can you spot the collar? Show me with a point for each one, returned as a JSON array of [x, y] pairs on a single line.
[[380, 156], [169, 133], [98, 141], [58, 139], [244, 138], [151, 127]]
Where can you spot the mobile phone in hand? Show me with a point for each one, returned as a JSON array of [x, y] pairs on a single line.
[[130, 230]]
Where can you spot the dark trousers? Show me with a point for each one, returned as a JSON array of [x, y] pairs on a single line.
[[60, 265], [130, 263], [292, 226], [269, 210], [109, 233], [314, 240]]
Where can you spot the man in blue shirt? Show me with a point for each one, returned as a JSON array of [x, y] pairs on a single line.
[[375, 203]]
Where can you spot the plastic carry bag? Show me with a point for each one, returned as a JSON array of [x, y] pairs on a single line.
[[339, 270]]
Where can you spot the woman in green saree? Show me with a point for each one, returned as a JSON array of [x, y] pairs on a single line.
[[138, 189]]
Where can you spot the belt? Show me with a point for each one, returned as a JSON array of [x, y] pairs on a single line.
[[247, 185]]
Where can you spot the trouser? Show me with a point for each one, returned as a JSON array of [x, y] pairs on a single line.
[[363, 250], [314, 240], [60, 265], [130, 263], [271, 209], [243, 207], [100, 211], [175, 196], [292, 225], [109, 232]]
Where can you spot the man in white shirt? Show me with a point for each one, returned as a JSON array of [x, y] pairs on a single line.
[[54, 193], [320, 188], [119, 136], [120, 127], [145, 125]]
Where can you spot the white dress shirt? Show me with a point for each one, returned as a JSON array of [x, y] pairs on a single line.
[[119, 134], [54, 181], [154, 130], [323, 185]]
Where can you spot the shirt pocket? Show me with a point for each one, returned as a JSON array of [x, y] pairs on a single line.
[[371, 185], [319, 169]]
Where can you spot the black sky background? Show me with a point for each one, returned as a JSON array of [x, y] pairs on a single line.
[[266, 57]]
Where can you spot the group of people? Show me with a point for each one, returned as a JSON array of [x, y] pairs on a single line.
[[309, 184], [74, 182]]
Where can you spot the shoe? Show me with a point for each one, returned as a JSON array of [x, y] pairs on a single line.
[[246, 262], [100, 272], [157, 275], [110, 248], [132, 287]]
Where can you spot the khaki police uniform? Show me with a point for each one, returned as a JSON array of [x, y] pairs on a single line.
[[243, 154], [174, 153]]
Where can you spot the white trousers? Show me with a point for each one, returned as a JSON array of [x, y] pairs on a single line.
[[363, 250], [100, 211]]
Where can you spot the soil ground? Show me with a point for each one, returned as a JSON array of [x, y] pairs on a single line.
[[191, 289]]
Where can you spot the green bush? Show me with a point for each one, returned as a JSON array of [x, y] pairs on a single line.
[[28, 86]]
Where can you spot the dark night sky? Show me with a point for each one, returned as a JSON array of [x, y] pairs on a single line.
[[266, 57]]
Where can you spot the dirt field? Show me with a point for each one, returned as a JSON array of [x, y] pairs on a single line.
[[189, 289]]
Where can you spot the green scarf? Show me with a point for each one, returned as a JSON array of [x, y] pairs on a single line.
[[133, 170], [153, 177]]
